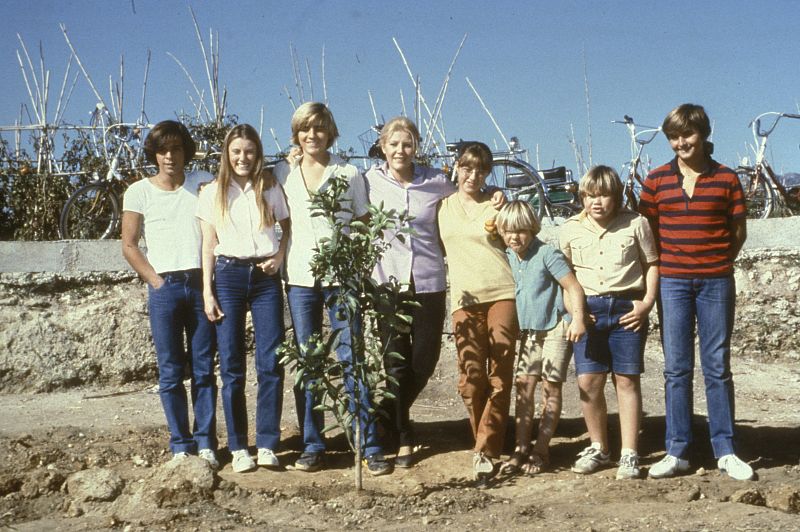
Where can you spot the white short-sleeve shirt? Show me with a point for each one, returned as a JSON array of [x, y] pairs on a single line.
[[307, 230], [239, 232], [170, 229]]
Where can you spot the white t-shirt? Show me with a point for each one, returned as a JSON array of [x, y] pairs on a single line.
[[307, 230], [170, 228], [240, 233]]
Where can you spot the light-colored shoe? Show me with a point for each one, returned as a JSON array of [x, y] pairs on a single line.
[[482, 466], [628, 467], [669, 466], [590, 459], [178, 457], [267, 458], [735, 467], [209, 456], [242, 461]]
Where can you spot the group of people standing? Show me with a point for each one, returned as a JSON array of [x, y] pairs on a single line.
[[213, 252]]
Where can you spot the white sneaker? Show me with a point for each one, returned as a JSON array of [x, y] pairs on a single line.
[[242, 461], [209, 456], [482, 465], [669, 466], [178, 457], [628, 467], [590, 459], [735, 467], [267, 458]]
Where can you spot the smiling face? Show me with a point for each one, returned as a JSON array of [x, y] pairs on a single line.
[[471, 179], [688, 146], [313, 139], [170, 158], [242, 154], [399, 150]]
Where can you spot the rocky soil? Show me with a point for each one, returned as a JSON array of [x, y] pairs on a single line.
[[91, 453]]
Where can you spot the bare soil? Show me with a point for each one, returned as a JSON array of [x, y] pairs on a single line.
[[118, 425]]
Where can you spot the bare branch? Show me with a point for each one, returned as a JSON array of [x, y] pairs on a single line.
[[588, 104], [496, 126], [80, 64], [324, 81], [310, 81], [372, 104]]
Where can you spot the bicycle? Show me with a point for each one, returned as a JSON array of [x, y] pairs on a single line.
[[762, 187], [631, 169], [93, 212], [551, 193]]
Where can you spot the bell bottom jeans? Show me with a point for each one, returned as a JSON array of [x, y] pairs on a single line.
[[306, 305], [240, 285], [710, 304], [183, 337]]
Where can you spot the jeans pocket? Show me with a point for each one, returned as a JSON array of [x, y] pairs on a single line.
[[222, 263]]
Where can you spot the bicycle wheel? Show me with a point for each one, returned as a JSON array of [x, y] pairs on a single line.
[[91, 213], [758, 194], [512, 174]]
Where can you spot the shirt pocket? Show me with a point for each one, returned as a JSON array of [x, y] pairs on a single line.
[[625, 251], [583, 252]]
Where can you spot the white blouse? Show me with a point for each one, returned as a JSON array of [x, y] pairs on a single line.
[[307, 230], [240, 233]]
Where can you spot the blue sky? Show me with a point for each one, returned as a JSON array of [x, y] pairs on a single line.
[[738, 58]]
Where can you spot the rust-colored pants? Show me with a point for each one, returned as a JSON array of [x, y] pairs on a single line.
[[485, 337]]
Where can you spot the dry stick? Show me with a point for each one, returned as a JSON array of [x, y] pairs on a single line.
[[206, 62], [80, 64], [372, 104], [275, 138], [324, 81], [496, 126], [197, 109], [44, 75], [538, 163], [298, 83], [437, 107], [111, 93], [403, 103], [200, 95], [261, 122], [59, 102], [576, 152], [28, 87], [37, 100], [416, 87], [310, 81], [289, 95], [417, 100], [142, 114], [588, 104]]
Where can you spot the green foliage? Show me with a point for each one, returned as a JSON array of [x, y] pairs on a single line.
[[346, 259], [209, 137]]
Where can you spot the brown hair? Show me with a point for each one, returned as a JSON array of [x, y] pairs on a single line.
[[477, 155], [687, 118], [165, 132]]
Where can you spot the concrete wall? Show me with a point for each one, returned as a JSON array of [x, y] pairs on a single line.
[[79, 256]]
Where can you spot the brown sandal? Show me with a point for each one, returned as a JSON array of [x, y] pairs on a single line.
[[536, 463], [514, 464]]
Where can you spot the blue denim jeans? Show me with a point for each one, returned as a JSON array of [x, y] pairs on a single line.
[[183, 337], [710, 303], [240, 285], [306, 305]]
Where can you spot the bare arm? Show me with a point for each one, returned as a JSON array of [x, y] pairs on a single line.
[[575, 301], [212, 309], [131, 232], [738, 236], [641, 309]]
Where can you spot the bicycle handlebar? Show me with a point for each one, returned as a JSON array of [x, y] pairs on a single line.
[[755, 124]]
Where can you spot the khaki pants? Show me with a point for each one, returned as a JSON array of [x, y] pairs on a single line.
[[485, 337]]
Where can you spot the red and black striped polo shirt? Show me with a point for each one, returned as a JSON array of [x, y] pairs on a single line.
[[694, 234]]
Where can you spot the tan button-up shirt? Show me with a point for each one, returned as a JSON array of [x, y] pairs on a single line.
[[609, 260]]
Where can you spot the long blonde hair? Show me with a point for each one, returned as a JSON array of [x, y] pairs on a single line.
[[257, 178]]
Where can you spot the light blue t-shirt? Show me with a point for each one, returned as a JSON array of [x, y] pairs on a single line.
[[540, 303]]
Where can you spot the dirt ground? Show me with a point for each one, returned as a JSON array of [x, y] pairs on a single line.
[[46, 437]]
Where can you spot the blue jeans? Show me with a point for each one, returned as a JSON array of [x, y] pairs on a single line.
[[306, 305], [240, 284], [711, 303], [176, 309]]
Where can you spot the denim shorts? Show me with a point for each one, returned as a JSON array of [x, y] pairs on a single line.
[[608, 346]]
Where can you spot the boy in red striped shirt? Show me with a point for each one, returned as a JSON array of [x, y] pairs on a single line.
[[697, 211]]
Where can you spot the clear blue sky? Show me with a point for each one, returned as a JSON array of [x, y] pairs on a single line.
[[738, 58]]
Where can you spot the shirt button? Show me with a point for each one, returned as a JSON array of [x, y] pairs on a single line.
[[601, 253]]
